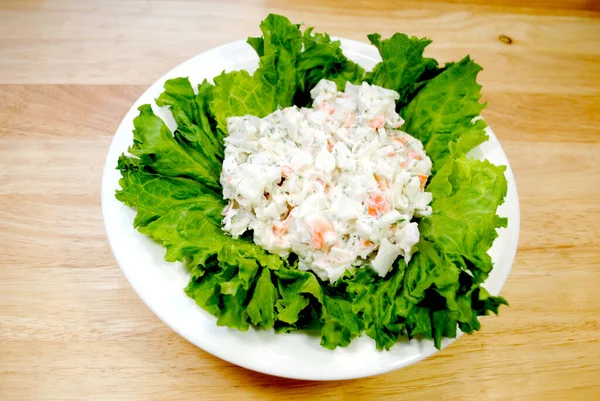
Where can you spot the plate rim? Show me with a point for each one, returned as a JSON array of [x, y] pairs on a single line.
[[107, 191]]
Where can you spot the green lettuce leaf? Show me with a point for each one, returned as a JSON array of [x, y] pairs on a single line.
[[272, 85], [154, 196], [160, 152], [446, 274], [179, 213], [258, 44], [373, 301], [238, 93], [279, 35], [442, 114], [297, 288], [281, 44], [261, 308], [188, 232], [323, 58], [204, 288], [286, 72], [340, 324], [295, 62], [466, 194], [233, 290], [194, 121], [402, 65]]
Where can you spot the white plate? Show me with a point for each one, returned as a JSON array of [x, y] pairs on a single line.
[[160, 284]]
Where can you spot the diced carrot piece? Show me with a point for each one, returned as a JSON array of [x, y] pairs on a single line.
[[326, 107], [414, 155], [377, 122], [279, 230], [282, 227], [318, 230], [377, 204], [401, 140], [318, 242], [423, 179]]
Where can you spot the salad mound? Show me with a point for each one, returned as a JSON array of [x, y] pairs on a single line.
[[173, 180], [336, 184]]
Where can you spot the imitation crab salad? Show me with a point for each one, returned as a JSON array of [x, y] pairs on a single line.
[[337, 184], [315, 195]]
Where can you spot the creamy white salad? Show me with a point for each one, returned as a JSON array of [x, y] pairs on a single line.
[[337, 184]]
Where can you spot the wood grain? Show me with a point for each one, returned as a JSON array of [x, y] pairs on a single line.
[[71, 328]]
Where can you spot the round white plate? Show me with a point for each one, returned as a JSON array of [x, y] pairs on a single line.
[[160, 284]]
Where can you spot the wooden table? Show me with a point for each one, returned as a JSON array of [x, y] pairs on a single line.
[[71, 328]]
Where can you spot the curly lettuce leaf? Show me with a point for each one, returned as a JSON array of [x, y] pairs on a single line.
[[279, 34], [466, 194], [323, 58], [281, 45], [340, 323], [296, 288], [442, 115], [160, 152], [188, 232], [261, 307], [154, 195], [402, 65], [291, 63], [238, 93], [195, 124], [373, 301], [239, 266], [237, 288], [295, 62], [258, 44], [446, 274], [272, 85]]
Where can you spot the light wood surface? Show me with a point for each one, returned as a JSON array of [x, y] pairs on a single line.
[[71, 328]]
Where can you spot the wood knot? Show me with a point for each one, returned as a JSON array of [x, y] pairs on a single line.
[[505, 39]]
